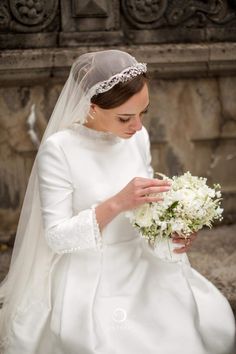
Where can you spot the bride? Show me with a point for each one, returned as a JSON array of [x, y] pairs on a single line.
[[81, 280]]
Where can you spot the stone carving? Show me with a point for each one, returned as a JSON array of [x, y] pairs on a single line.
[[145, 11], [98, 15], [27, 15], [157, 13], [89, 8], [4, 16], [28, 12], [196, 13], [91, 16]]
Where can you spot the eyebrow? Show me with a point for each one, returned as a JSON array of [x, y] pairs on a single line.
[[131, 114]]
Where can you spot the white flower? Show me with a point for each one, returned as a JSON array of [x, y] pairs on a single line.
[[143, 215], [187, 207], [219, 210], [163, 225]]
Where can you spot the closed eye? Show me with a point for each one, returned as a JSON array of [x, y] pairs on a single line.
[[125, 120], [144, 112]]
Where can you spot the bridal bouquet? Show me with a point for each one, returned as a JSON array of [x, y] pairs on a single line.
[[186, 208]]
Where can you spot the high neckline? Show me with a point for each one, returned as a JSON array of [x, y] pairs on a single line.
[[104, 137]]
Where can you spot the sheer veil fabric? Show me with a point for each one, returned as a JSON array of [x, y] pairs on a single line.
[[28, 279]]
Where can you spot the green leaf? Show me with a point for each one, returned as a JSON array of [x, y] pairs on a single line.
[[173, 206]]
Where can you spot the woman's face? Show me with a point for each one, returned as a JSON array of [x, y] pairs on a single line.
[[123, 121]]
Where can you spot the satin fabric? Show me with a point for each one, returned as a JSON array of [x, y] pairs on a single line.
[[121, 299]]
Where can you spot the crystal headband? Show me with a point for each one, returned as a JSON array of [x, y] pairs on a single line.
[[124, 75]]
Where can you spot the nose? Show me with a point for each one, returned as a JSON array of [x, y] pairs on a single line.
[[137, 123]]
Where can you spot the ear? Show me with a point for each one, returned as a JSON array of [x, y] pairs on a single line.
[[93, 107]]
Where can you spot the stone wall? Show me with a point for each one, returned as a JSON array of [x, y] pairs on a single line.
[[67, 23], [192, 125], [191, 118]]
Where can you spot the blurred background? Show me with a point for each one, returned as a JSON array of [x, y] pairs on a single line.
[[190, 49]]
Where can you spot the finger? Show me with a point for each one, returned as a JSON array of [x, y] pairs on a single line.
[[149, 182], [147, 199], [182, 241], [174, 235], [181, 249], [186, 238], [179, 241], [153, 190], [161, 182]]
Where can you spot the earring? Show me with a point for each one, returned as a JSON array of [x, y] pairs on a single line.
[[90, 115]]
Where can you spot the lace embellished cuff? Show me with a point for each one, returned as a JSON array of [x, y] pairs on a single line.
[[97, 233], [78, 233]]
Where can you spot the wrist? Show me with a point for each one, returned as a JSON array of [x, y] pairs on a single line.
[[107, 211], [115, 205]]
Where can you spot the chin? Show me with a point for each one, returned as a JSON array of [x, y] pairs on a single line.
[[125, 136], [129, 135]]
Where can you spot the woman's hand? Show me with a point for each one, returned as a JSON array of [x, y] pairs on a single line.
[[187, 242], [139, 190]]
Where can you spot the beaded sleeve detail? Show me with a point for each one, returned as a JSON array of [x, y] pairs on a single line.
[[97, 233], [78, 233], [125, 75]]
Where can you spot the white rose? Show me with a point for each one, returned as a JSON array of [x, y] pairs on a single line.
[[143, 216]]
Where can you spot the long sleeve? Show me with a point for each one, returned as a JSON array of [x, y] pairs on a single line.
[[148, 157], [64, 232]]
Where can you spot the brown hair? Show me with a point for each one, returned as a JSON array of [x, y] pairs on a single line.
[[119, 93]]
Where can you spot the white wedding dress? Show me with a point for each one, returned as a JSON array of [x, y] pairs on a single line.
[[111, 294]]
